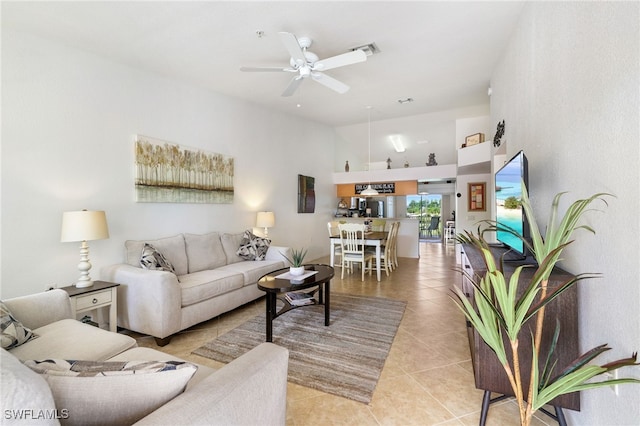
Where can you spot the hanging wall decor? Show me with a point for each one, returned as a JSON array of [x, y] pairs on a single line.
[[477, 196], [171, 173], [497, 139], [306, 194]]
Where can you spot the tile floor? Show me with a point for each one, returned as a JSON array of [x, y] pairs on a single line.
[[427, 378]]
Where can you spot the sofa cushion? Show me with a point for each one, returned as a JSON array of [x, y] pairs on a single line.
[[112, 392], [204, 285], [253, 247], [253, 270], [230, 243], [71, 339], [152, 259], [13, 332], [172, 248], [24, 391], [204, 251]]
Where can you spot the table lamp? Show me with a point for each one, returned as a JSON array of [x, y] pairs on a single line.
[[266, 220], [84, 226]]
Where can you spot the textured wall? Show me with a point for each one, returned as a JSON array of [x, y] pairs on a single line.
[[69, 118], [567, 87]]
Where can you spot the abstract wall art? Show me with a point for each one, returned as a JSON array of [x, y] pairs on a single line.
[[170, 173]]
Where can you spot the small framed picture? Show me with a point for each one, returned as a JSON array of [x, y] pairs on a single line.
[[474, 139], [477, 196]]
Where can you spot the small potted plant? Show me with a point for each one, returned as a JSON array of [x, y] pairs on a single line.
[[296, 259]]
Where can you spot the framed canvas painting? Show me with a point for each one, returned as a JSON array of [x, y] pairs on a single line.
[[171, 173], [306, 194], [477, 196]]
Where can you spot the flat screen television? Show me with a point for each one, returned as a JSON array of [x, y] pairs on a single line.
[[509, 212]]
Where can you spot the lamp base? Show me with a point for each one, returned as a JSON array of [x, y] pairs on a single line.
[[83, 284]]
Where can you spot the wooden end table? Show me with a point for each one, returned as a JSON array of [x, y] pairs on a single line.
[[100, 294], [274, 285]]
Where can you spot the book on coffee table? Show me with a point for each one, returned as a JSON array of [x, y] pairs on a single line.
[[299, 299]]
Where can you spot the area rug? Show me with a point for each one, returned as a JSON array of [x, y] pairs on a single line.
[[344, 359]]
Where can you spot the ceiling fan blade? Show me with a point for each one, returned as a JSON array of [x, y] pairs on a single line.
[[293, 86], [330, 82], [293, 47], [266, 69], [341, 60]]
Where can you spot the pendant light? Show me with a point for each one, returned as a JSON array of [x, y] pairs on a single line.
[[369, 191]]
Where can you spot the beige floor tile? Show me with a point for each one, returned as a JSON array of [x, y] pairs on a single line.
[[402, 401], [328, 409], [453, 387], [504, 414]]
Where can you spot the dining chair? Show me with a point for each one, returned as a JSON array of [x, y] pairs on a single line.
[[332, 227], [395, 228], [434, 226], [450, 232], [386, 257], [353, 248]]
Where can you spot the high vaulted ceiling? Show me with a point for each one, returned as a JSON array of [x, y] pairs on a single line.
[[440, 54]]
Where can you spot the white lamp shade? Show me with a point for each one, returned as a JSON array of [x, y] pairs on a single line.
[[84, 226], [265, 220]]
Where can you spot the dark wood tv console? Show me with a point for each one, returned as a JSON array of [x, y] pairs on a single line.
[[488, 372]]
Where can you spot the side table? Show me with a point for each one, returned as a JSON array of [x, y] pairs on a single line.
[[100, 294]]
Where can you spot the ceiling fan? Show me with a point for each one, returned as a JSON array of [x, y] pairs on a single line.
[[307, 65]]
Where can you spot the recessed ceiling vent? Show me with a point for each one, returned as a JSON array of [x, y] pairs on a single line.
[[369, 49]]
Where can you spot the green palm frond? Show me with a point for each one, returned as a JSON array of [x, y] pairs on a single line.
[[576, 377], [498, 312]]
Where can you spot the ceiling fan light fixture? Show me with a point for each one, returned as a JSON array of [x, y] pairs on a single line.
[[306, 64]]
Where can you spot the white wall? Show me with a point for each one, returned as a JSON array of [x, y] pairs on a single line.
[[438, 128], [567, 88], [67, 143]]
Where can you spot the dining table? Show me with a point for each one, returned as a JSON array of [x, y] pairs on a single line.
[[372, 239]]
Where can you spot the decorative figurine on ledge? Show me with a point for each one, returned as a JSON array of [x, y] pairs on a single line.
[[388, 163], [432, 160], [346, 166]]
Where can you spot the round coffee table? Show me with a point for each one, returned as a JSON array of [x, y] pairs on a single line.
[[317, 278]]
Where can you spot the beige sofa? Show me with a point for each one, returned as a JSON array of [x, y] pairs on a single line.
[[209, 279], [249, 390]]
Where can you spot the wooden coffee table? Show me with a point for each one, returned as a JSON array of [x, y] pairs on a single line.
[[274, 285]]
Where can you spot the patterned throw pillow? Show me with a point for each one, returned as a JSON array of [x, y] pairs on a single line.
[[60, 367], [13, 332], [127, 390], [152, 259], [253, 247]]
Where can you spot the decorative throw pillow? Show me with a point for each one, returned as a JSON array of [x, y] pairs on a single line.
[[112, 392], [13, 332], [253, 247], [152, 259]]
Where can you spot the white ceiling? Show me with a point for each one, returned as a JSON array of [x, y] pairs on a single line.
[[441, 54]]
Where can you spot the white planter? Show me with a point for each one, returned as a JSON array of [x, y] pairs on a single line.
[[296, 270]]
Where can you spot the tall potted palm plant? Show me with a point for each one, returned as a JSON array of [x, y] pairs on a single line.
[[498, 314]]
